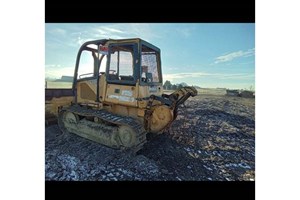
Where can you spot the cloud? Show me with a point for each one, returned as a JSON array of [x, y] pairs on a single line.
[[240, 76], [113, 30], [120, 31], [52, 66], [236, 76], [185, 32], [57, 72], [237, 54], [58, 31], [74, 36], [184, 75]]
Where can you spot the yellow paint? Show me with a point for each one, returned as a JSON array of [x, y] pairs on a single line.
[[121, 95], [141, 112], [86, 91], [161, 117], [53, 105], [144, 91]]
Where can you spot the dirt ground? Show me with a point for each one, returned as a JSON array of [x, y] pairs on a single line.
[[212, 139]]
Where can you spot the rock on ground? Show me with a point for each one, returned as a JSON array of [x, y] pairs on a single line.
[[212, 139]]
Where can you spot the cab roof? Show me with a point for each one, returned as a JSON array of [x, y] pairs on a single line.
[[114, 41]]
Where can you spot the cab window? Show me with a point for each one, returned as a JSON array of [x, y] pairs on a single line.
[[121, 65]]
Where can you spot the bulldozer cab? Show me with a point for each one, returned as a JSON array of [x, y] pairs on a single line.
[[118, 94], [133, 61], [103, 64]]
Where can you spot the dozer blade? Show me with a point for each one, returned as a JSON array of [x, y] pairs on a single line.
[[159, 117], [181, 95]]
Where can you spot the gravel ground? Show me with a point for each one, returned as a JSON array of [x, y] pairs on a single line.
[[212, 139]]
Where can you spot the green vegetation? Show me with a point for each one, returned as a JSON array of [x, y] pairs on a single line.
[[169, 86]]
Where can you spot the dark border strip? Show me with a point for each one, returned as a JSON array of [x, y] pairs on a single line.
[[150, 11], [188, 189]]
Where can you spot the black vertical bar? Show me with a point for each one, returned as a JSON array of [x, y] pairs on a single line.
[[75, 74], [98, 67], [118, 64]]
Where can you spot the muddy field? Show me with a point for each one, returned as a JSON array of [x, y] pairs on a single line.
[[213, 139]]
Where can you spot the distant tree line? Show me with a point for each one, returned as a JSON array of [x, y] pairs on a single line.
[[169, 86]]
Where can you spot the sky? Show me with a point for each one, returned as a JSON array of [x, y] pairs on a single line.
[[204, 54]]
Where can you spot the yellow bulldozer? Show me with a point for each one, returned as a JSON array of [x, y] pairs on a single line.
[[118, 99]]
